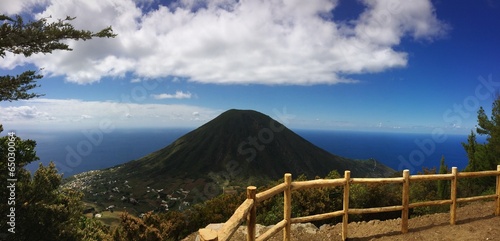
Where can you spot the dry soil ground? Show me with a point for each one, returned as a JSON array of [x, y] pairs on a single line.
[[475, 221]]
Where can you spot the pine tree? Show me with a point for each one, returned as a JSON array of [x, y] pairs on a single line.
[[43, 210], [443, 185], [470, 147], [484, 156], [490, 127], [46, 208]]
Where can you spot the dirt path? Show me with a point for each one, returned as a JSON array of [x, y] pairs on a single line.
[[475, 221]]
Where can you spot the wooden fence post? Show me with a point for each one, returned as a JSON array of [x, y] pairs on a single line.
[[287, 209], [406, 201], [497, 209], [345, 217], [252, 214], [453, 207]]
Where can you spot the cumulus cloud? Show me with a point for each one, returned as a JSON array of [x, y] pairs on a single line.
[[236, 42], [17, 6], [177, 95], [70, 114], [22, 113]]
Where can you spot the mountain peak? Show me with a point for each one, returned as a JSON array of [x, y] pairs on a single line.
[[240, 117], [240, 123], [244, 145]]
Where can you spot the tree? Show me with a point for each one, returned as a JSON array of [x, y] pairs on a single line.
[[93, 230], [443, 189], [476, 153], [39, 36], [470, 147], [21, 153], [137, 229], [490, 127], [44, 207], [484, 156], [37, 204]]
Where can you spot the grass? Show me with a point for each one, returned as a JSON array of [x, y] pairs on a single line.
[[111, 219]]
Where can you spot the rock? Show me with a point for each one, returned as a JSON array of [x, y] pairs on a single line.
[[324, 227], [307, 227], [215, 226], [259, 229], [398, 221]]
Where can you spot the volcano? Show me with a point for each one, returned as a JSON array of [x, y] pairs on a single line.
[[245, 146]]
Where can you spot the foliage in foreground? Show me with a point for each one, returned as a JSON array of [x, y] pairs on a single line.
[[36, 206], [28, 38], [484, 156]]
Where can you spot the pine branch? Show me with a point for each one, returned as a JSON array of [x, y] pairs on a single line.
[[17, 87]]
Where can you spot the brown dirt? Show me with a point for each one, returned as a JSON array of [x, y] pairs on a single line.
[[475, 221]]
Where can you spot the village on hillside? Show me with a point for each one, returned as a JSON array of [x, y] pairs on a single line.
[[104, 192]]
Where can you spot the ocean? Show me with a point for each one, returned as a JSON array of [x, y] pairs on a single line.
[[80, 151], [397, 150]]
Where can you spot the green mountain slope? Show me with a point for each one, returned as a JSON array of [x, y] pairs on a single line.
[[245, 144]]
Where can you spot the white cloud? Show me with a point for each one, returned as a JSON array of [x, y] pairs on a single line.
[[177, 95], [11, 7], [236, 42], [86, 117], [71, 114], [22, 113]]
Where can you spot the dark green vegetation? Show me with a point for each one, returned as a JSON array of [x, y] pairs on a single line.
[[484, 156]]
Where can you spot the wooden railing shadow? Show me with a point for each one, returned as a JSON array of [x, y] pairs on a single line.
[[247, 210]]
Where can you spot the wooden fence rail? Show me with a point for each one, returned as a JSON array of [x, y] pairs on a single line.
[[247, 210]]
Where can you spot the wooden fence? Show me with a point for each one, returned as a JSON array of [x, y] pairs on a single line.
[[247, 210]]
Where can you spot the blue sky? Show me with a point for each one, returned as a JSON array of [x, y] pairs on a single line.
[[405, 66]]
